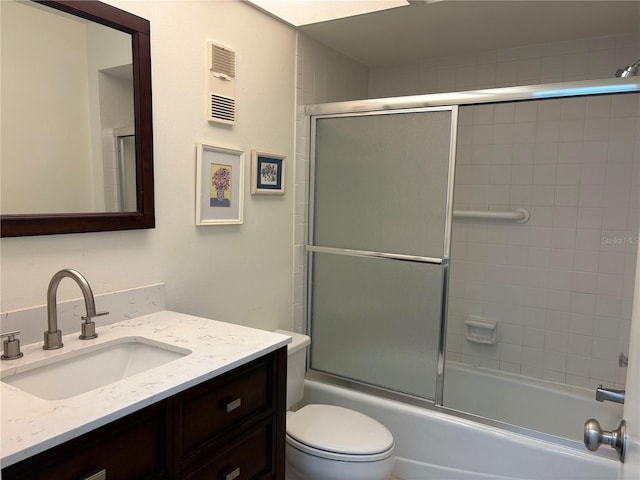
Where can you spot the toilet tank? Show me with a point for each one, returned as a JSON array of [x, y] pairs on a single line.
[[296, 366]]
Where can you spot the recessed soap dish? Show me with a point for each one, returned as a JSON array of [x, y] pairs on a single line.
[[481, 330]]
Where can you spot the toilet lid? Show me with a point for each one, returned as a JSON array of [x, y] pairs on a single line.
[[339, 430]]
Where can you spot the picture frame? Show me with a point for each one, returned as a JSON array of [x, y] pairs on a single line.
[[219, 185], [267, 173]]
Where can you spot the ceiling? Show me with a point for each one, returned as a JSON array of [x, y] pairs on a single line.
[[304, 12], [451, 27]]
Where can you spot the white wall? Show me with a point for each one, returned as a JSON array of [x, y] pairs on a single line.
[[236, 273], [580, 59], [630, 470]]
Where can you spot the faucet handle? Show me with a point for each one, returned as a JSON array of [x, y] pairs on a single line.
[[88, 326], [87, 318], [623, 360], [11, 346], [87, 329]]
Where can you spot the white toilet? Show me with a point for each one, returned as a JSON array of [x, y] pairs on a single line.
[[326, 442]]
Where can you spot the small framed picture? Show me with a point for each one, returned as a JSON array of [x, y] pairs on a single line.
[[267, 173], [219, 185]]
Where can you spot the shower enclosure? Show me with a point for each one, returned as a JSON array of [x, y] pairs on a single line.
[[520, 272]]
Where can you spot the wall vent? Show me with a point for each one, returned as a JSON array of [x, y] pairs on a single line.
[[222, 109], [223, 61], [221, 103]]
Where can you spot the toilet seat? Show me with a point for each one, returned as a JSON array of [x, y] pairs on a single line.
[[337, 433], [327, 455]]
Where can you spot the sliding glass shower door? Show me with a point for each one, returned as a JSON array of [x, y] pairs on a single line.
[[378, 246]]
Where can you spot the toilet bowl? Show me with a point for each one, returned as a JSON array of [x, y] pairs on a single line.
[[328, 442]]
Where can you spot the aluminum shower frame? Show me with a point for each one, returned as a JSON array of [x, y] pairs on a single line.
[[443, 261]]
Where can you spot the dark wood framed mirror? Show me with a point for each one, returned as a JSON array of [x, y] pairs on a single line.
[[141, 213]]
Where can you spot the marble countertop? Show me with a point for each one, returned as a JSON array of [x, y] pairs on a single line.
[[31, 425]]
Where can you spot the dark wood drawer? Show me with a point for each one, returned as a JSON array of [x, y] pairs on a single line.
[[223, 405], [250, 456], [133, 447]]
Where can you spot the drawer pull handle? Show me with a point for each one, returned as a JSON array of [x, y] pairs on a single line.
[[101, 475], [232, 475], [232, 405]]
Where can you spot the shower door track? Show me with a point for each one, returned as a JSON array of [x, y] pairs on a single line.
[[478, 97]]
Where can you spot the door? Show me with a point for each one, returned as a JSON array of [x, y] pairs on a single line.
[[378, 251], [630, 470]]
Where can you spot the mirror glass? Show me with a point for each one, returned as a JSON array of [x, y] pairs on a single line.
[[76, 126], [67, 113]]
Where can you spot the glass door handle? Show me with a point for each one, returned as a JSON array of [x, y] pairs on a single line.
[[594, 436]]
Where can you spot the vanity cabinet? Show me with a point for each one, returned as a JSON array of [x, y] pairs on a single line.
[[231, 427], [132, 447]]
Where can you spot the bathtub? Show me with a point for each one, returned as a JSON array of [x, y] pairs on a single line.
[[431, 444], [553, 408]]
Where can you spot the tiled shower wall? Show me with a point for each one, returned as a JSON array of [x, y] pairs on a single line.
[[569, 271], [561, 285], [324, 75]]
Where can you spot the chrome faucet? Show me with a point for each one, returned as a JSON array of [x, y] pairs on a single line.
[[53, 336], [609, 394]]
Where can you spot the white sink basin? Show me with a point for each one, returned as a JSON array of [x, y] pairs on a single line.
[[80, 371]]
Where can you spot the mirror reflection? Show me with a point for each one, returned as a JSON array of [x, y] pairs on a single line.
[[68, 138]]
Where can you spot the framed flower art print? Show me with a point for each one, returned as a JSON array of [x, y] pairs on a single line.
[[219, 185], [267, 173]]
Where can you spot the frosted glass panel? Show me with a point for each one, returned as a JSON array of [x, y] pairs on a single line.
[[381, 182], [377, 321]]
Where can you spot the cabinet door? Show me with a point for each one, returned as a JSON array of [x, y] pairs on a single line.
[[130, 448]]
